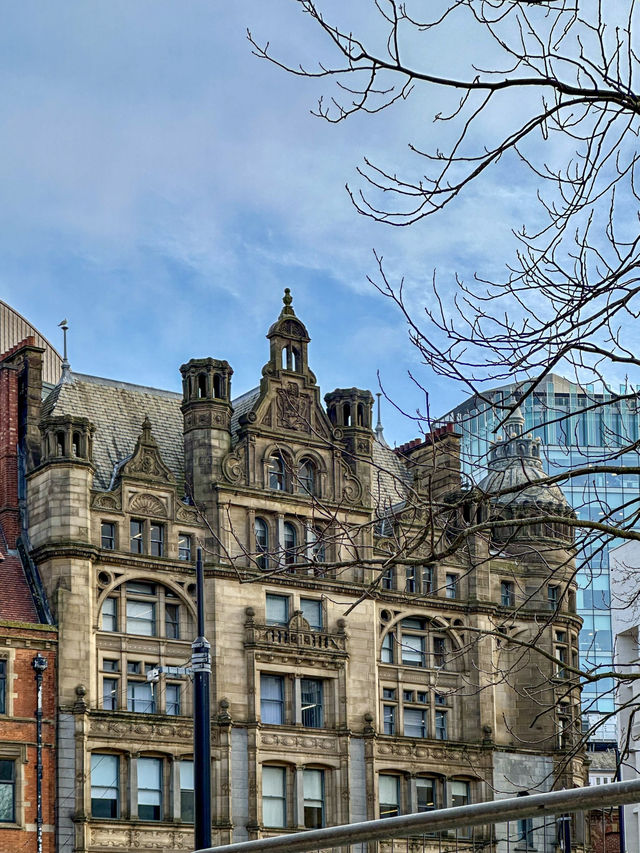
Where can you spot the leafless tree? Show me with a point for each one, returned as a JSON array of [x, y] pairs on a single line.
[[540, 94]]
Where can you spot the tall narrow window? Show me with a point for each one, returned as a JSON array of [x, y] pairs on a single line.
[[290, 543], [442, 732], [388, 578], [110, 614], [507, 594], [312, 612], [451, 588], [552, 597], [272, 699], [427, 580], [274, 799], [172, 621], [312, 709], [313, 784], [389, 790], [172, 700], [3, 687], [389, 719], [318, 551], [307, 477], [150, 788], [184, 547], [262, 543], [7, 791], [110, 694], [136, 536], [388, 643], [426, 795], [439, 652], [277, 473], [157, 540], [413, 645], [411, 579], [108, 535], [187, 802], [105, 785]]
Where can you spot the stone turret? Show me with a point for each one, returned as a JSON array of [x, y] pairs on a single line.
[[289, 341], [350, 412], [206, 406]]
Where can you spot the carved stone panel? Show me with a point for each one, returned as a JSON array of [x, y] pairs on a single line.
[[146, 504], [293, 409]]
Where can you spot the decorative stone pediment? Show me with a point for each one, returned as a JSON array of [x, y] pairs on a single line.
[[146, 504], [111, 501], [146, 462]]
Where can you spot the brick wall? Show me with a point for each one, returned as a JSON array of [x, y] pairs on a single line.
[[9, 515], [18, 735]]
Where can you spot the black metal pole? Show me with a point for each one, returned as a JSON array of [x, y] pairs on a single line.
[[39, 663], [201, 665]]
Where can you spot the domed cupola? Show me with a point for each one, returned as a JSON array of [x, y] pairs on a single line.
[[515, 487]]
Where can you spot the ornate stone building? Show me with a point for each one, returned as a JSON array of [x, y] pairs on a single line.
[[352, 676]]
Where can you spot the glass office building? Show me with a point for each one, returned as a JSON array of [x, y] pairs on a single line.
[[573, 437]]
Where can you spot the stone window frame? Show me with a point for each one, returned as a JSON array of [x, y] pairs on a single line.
[[294, 794], [147, 541], [168, 651], [8, 656], [294, 603], [17, 753], [393, 694], [171, 799], [292, 694]]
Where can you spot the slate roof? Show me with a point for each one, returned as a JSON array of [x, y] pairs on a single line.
[[242, 405], [117, 410], [16, 601], [389, 479]]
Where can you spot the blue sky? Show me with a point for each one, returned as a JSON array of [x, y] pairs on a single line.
[[161, 186]]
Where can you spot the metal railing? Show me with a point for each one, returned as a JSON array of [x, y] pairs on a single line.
[[455, 821]]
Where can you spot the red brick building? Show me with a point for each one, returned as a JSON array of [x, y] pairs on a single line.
[[27, 636]]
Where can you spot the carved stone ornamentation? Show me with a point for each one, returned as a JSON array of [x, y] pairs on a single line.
[[111, 501], [301, 742], [146, 461], [188, 514], [352, 488], [145, 504], [234, 465], [293, 409]]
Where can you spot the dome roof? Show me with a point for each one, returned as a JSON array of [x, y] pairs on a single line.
[[515, 467]]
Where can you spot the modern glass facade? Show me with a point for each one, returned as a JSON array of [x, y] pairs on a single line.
[[599, 425]]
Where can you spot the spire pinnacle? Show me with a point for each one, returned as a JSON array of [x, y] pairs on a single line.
[[66, 367], [379, 431]]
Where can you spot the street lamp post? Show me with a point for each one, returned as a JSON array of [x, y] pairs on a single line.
[[39, 663], [201, 666]]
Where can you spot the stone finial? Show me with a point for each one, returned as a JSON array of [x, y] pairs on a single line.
[[287, 299], [146, 430]]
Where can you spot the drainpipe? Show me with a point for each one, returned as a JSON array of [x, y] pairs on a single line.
[[39, 663]]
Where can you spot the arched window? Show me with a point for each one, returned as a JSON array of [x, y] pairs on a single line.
[[76, 449], [262, 543], [218, 386], [60, 444], [360, 415], [297, 362], [277, 473], [307, 477], [290, 543], [346, 414], [202, 385], [318, 552]]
